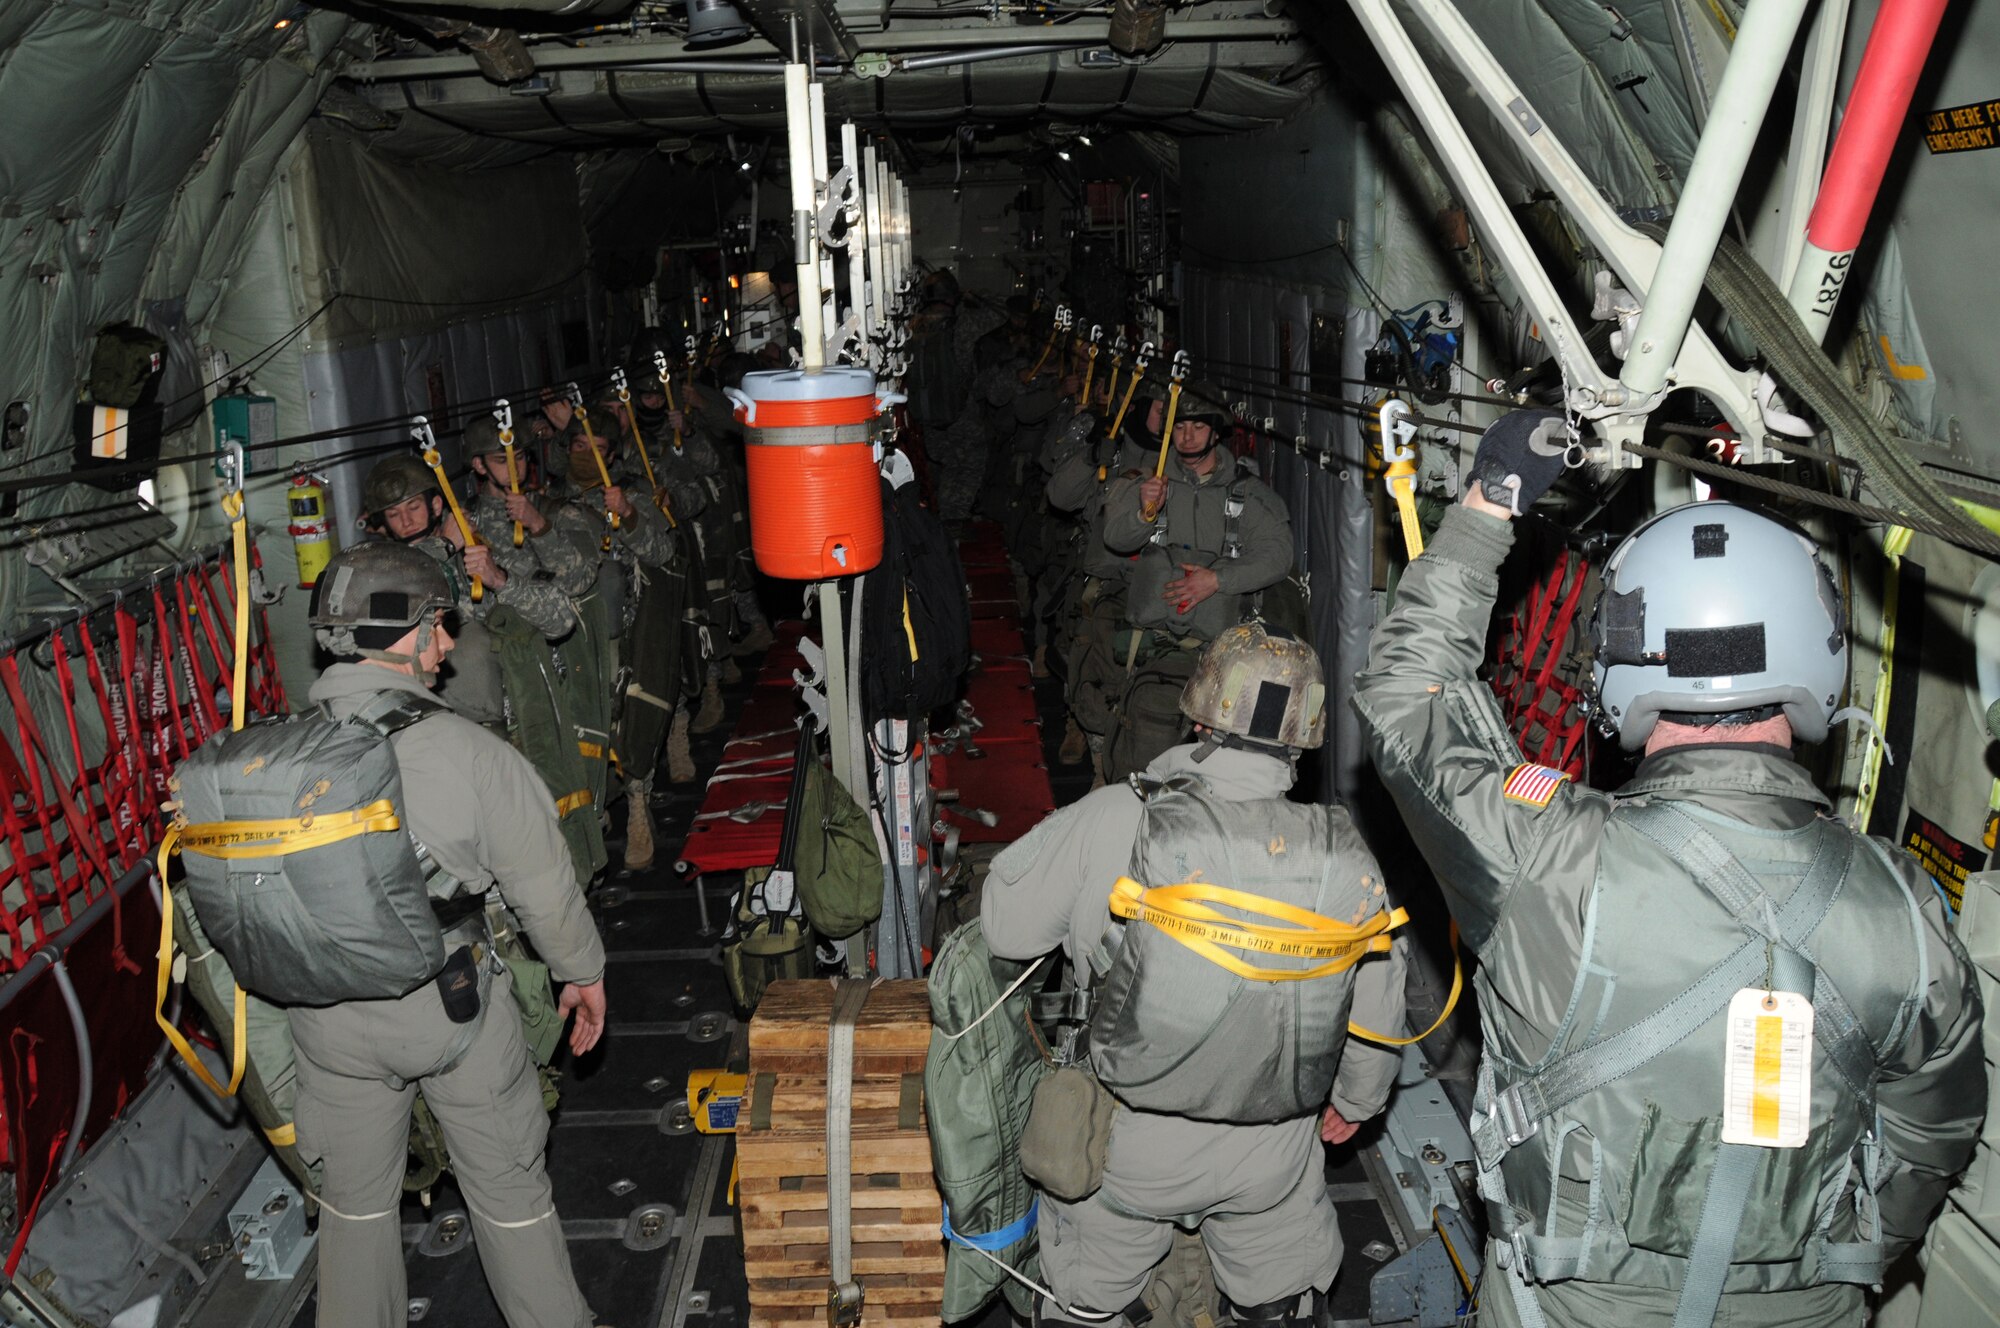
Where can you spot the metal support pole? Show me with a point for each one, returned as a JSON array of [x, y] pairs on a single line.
[[1897, 48], [1805, 159], [871, 215], [805, 239], [840, 736], [858, 238], [1756, 60], [822, 173]]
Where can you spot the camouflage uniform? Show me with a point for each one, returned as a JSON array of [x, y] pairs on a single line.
[[570, 562]]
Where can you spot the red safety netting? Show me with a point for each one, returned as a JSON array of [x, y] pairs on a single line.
[[1545, 709], [96, 717], [93, 718]]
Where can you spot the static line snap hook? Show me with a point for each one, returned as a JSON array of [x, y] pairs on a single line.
[[1181, 366], [618, 383], [503, 415], [426, 441], [660, 361], [575, 395], [233, 467]]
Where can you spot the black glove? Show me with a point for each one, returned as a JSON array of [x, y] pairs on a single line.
[[1520, 458]]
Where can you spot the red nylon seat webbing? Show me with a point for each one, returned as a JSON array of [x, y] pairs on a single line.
[[201, 686], [1545, 711]]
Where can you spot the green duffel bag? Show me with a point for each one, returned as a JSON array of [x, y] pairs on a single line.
[[839, 867]]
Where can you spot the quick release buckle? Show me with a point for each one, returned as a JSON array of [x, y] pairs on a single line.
[[843, 1304], [1501, 1129]]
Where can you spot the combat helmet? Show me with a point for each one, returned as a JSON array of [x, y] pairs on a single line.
[[394, 479], [371, 594], [1713, 613], [1260, 686]]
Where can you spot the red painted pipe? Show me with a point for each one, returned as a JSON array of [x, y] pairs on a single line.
[[1897, 48]]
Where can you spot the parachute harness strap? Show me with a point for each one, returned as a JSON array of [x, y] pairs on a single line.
[[503, 415], [427, 445]]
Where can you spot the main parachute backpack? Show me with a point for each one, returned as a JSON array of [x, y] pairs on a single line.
[[1229, 1001], [297, 862]]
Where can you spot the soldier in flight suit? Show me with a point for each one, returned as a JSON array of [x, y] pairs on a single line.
[[1208, 535], [1617, 933], [487, 820], [1256, 1192]]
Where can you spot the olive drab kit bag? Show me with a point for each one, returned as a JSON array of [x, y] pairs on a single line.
[[1193, 1011], [767, 939], [297, 861]]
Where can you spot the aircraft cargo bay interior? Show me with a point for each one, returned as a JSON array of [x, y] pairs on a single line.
[[1075, 663]]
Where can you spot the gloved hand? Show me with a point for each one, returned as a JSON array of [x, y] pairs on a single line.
[[1520, 458]]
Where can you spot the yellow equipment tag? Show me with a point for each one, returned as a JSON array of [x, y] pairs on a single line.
[[1767, 1069]]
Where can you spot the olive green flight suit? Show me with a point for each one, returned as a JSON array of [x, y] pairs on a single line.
[[1256, 1192], [1080, 483], [1158, 645], [1538, 883], [487, 820]]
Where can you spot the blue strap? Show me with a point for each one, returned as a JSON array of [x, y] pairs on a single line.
[[994, 1241]]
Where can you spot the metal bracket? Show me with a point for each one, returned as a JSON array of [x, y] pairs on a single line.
[[1399, 431], [837, 201], [872, 64]]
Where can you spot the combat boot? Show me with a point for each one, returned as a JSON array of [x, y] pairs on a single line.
[[709, 717], [756, 639], [680, 761], [731, 672], [1073, 746], [638, 826], [1039, 668]]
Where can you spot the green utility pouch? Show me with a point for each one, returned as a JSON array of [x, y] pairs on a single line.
[[1068, 1139], [839, 868], [766, 949], [123, 361]]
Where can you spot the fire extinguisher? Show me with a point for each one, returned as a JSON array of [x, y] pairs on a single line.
[[311, 528]]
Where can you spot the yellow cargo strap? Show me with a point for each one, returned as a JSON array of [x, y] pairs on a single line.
[[1450, 1004], [1110, 385], [239, 1023], [597, 455], [638, 441], [232, 840], [503, 415], [1166, 435], [239, 541], [1182, 912], [1401, 477], [1132, 388], [569, 802], [436, 462]]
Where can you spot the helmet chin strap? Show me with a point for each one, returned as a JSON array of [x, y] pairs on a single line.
[[411, 661]]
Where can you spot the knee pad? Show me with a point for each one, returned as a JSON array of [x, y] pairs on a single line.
[[1304, 1310]]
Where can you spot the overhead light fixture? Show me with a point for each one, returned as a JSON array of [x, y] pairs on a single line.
[[1083, 139], [714, 23], [1063, 153]]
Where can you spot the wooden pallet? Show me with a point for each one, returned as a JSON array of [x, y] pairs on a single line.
[[781, 1158]]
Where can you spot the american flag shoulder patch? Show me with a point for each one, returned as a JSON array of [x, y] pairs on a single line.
[[1532, 784]]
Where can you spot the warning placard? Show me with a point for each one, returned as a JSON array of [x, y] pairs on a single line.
[[1945, 857], [1966, 128]]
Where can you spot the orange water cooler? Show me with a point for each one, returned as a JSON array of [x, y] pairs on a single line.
[[815, 490]]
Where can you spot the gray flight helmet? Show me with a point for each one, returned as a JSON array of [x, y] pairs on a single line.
[[1712, 609]]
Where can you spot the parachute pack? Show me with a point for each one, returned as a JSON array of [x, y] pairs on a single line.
[[298, 864]]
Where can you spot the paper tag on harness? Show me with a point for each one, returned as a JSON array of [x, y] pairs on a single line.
[[1767, 1069]]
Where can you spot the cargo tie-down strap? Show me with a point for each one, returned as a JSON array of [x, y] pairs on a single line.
[[844, 1296], [1183, 912]]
